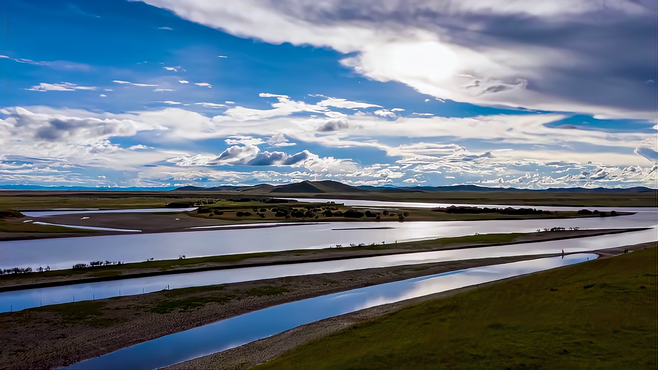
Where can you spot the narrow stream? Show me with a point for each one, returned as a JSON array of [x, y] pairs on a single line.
[[252, 326]]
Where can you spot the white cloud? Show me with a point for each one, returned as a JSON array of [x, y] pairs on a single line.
[[397, 110], [166, 28], [222, 56], [183, 81], [64, 86], [279, 140], [211, 105], [204, 84], [434, 145], [171, 102], [103, 96], [343, 103], [385, 113], [229, 102], [250, 155], [174, 69], [160, 89], [120, 82]]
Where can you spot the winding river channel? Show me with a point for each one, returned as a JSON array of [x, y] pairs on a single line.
[[238, 330], [27, 298]]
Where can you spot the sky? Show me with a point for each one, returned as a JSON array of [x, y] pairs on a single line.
[[166, 93]]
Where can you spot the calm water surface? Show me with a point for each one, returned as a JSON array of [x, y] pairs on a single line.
[[62, 253], [252, 326], [18, 300]]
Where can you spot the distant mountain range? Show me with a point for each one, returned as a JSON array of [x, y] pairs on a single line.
[[329, 187]]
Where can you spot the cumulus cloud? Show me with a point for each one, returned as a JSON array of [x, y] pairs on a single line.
[[385, 113], [183, 81], [471, 149], [483, 52], [333, 125], [279, 140], [250, 155], [204, 84], [173, 69], [171, 102], [64, 86]]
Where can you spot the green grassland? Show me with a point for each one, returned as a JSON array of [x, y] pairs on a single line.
[[596, 315]]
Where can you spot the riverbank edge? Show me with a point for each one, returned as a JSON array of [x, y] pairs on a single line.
[[258, 352], [284, 258]]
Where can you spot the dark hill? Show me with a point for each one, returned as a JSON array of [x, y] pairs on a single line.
[[300, 187]]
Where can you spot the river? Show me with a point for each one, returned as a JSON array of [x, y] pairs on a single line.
[[62, 253], [235, 331]]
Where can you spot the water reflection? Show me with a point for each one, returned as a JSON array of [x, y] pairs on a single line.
[[63, 253], [246, 328], [390, 204], [22, 299]]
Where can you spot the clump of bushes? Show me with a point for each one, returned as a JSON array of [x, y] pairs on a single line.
[[479, 210], [352, 213]]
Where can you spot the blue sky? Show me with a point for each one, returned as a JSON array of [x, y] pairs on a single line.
[[167, 93]]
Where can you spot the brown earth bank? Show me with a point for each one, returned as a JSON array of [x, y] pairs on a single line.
[[264, 350], [154, 268], [58, 335]]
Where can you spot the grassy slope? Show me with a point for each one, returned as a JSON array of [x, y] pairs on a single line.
[[543, 321]]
